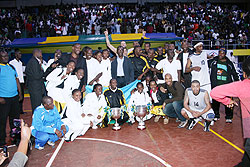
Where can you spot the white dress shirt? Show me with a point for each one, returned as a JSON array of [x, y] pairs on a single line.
[[120, 71], [94, 68], [19, 69]]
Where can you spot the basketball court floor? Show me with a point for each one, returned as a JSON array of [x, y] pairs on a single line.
[[158, 145]]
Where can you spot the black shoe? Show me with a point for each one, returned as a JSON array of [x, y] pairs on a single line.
[[130, 123], [191, 124], [207, 126]]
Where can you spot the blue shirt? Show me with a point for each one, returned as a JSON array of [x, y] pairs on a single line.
[[8, 85], [45, 120]]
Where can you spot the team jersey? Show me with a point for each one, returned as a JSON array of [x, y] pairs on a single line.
[[196, 102], [203, 75]]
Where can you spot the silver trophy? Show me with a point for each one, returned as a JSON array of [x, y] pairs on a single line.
[[116, 114], [141, 112]]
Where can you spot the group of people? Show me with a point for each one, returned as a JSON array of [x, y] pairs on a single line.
[[205, 21], [172, 84]]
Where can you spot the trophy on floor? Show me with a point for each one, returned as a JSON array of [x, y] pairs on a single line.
[[141, 112], [116, 114]]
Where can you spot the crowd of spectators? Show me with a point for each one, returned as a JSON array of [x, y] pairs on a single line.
[[192, 21]]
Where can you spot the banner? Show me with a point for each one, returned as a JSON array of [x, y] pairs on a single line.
[[126, 89]]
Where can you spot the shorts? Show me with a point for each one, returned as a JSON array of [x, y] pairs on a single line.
[[207, 116]]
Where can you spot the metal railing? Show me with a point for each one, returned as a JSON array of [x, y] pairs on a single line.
[[212, 44]]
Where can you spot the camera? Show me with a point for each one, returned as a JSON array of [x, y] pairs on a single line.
[[15, 133], [17, 123], [5, 151]]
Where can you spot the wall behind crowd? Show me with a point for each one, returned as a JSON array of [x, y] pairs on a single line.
[[19, 3]]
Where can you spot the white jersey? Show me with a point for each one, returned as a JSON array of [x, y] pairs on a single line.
[[93, 68], [196, 102], [200, 60], [106, 72]]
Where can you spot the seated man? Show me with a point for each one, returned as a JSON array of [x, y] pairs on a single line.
[[115, 99], [174, 103], [196, 105], [139, 97], [47, 126], [94, 105]]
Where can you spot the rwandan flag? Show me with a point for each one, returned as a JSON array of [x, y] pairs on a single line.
[[126, 89]]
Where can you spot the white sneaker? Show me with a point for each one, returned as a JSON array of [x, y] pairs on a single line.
[[157, 117], [216, 119], [166, 120], [39, 147], [229, 121], [212, 123], [182, 124], [50, 143], [94, 127]]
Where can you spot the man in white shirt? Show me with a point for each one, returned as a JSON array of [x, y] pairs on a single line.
[[118, 26], [105, 68], [170, 65], [18, 64], [93, 67], [136, 28]]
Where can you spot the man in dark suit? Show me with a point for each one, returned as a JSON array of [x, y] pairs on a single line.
[[35, 81], [122, 69]]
